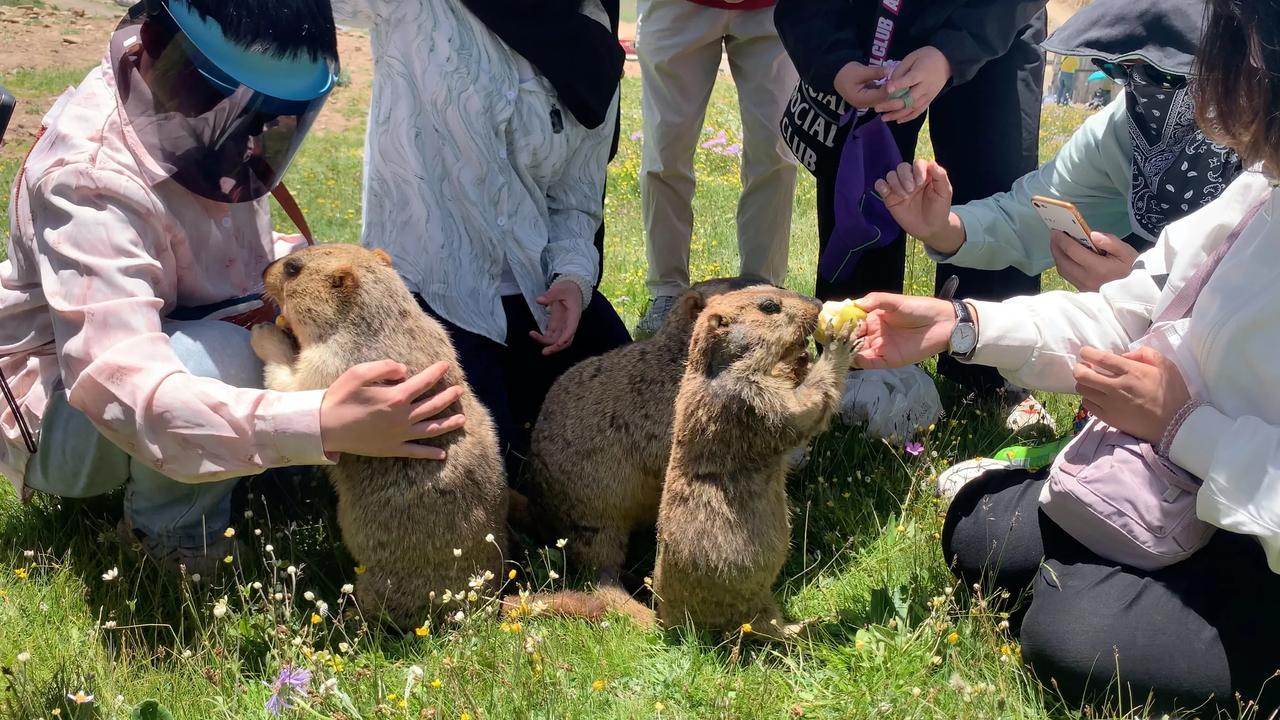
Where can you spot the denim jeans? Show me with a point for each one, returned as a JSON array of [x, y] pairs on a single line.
[[76, 461]]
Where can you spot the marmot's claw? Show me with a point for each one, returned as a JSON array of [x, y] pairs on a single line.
[[271, 344]]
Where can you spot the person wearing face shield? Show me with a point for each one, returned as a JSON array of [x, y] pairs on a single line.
[[140, 225], [1132, 169]]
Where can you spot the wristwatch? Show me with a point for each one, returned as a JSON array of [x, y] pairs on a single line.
[[964, 338]]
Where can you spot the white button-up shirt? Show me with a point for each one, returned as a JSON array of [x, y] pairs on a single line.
[[465, 173]]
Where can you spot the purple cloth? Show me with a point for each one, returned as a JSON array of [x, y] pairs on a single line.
[[862, 221]]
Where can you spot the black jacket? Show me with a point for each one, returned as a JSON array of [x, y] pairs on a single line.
[[822, 36]]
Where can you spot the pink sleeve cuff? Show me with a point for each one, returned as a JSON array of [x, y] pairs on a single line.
[[289, 422]]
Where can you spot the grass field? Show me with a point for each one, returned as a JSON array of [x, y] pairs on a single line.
[[865, 555]]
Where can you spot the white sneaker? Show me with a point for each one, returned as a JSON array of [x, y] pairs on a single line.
[[1027, 413], [655, 316], [961, 474]]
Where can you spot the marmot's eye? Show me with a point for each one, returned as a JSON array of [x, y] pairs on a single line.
[[292, 267], [770, 307]]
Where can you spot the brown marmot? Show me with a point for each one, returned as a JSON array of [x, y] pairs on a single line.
[[603, 438], [748, 396], [402, 519]]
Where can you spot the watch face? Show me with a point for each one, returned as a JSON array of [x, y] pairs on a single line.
[[964, 338]]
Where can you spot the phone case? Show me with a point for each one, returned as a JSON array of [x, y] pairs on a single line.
[[1064, 216]]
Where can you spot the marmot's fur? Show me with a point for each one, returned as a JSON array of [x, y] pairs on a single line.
[[602, 441], [401, 518], [748, 396]]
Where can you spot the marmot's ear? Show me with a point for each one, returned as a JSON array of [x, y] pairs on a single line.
[[343, 277], [691, 304], [382, 256], [717, 321]]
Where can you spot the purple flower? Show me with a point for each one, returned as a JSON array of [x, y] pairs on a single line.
[[719, 139], [914, 448], [290, 680], [637, 136], [733, 150]]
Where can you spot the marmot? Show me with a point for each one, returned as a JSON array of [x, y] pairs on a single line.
[[603, 438], [749, 395], [402, 519]]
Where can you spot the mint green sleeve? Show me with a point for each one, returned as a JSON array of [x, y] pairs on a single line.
[[1092, 170]]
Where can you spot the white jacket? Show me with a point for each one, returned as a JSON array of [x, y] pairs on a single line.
[[1227, 350]]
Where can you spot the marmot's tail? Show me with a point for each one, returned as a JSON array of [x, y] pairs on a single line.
[[593, 605]]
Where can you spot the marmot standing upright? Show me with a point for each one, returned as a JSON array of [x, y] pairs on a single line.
[[402, 519], [748, 396], [602, 441]]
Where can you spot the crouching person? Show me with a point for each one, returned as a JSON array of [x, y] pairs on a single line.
[[139, 225]]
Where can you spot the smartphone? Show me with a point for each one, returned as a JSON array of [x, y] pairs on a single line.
[[1061, 215], [7, 103]]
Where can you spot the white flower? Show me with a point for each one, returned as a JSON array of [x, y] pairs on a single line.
[[488, 538], [348, 589], [472, 596], [415, 672], [344, 648], [29, 554], [297, 642], [553, 575], [257, 532], [460, 616], [562, 542], [322, 607], [220, 608], [329, 686], [187, 654], [109, 625], [257, 586], [248, 514], [24, 657], [269, 548], [111, 574], [447, 597], [457, 552], [195, 578], [308, 595], [291, 570], [278, 597], [80, 697], [119, 700]]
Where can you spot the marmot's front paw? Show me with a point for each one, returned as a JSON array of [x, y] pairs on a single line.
[[842, 339], [271, 344]]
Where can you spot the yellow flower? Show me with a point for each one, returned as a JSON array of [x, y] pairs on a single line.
[[465, 716], [228, 559], [436, 683], [360, 569], [598, 685], [953, 638], [392, 697], [659, 706], [315, 619], [402, 703], [511, 575], [422, 631], [746, 628], [229, 533], [20, 573], [859, 644]]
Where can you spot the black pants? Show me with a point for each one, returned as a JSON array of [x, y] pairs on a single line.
[[512, 380], [986, 132], [1191, 635]]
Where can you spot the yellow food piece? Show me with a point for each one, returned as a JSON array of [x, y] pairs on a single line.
[[282, 323], [837, 313]]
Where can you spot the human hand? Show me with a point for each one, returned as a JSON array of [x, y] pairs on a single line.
[[902, 330], [564, 299], [1086, 269], [854, 83], [919, 198], [925, 72], [373, 410], [1139, 392]]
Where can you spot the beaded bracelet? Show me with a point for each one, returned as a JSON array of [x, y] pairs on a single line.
[[1166, 441]]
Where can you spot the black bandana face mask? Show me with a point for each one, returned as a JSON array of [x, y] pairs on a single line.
[[1176, 169]]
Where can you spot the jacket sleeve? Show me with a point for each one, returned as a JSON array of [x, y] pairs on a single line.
[[1036, 341], [355, 11], [821, 36], [575, 207], [980, 31], [107, 275], [1091, 171]]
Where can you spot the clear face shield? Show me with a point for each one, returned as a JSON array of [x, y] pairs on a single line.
[[222, 120]]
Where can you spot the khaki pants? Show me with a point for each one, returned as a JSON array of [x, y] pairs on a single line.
[[680, 45]]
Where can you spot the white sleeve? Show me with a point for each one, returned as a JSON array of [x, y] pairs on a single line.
[[355, 11], [1036, 341]]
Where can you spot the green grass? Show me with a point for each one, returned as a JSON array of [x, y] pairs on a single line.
[[865, 554]]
